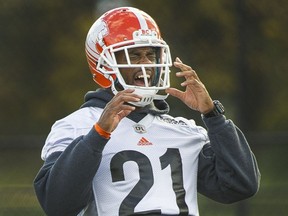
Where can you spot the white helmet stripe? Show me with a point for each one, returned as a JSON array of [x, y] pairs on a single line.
[[141, 19]]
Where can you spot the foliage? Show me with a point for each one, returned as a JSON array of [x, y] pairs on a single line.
[[239, 54], [42, 58]]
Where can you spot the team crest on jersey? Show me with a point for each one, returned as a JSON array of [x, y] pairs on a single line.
[[139, 128]]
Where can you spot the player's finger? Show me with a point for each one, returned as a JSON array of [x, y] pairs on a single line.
[[175, 92], [115, 106], [193, 82], [179, 64], [125, 96], [187, 74], [123, 113], [186, 70]]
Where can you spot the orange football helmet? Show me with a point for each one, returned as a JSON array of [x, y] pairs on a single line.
[[122, 29]]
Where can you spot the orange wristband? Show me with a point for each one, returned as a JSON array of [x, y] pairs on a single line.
[[102, 132]]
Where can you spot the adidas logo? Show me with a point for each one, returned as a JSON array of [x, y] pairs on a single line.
[[144, 142]]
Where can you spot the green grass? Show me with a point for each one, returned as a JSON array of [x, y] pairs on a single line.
[[18, 168]]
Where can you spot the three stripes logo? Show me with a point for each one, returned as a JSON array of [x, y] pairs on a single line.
[[144, 142]]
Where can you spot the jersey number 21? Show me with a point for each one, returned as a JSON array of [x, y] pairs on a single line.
[[171, 157]]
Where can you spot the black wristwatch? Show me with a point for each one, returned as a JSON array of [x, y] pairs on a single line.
[[218, 110]]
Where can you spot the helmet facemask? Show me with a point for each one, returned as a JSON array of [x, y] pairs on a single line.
[[154, 77]]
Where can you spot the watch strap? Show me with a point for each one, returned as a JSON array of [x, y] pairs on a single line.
[[217, 110]]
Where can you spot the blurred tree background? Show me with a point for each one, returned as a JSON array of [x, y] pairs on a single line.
[[239, 49]]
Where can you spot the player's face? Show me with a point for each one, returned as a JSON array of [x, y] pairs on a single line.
[[140, 55]]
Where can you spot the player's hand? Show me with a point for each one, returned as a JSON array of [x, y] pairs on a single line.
[[196, 95], [117, 109]]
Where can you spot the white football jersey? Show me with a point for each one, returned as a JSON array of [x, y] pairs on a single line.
[[149, 166]]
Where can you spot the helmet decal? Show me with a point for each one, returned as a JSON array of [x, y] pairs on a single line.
[[141, 19]]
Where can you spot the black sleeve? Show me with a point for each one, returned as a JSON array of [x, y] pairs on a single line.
[[227, 170], [64, 183]]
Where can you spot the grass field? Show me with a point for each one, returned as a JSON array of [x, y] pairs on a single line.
[[18, 168]]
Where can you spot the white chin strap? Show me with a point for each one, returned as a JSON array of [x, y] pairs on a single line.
[[147, 96]]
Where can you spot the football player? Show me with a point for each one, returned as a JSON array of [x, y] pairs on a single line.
[[121, 153]]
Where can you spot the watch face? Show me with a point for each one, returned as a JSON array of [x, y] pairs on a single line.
[[219, 107], [218, 110]]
